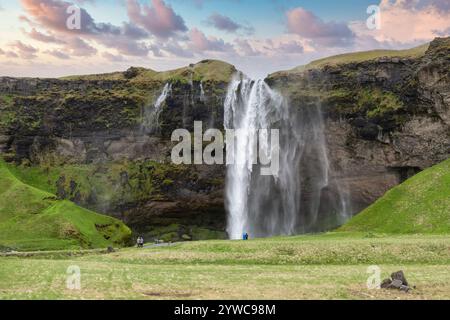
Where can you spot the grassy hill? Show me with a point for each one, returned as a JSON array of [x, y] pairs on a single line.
[[33, 219], [419, 205], [361, 56], [205, 70]]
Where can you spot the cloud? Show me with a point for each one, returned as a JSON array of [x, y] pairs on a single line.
[[134, 32], [276, 48], [24, 51], [51, 15], [113, 57], [9, 54], [57, 54], [79, 47], [440, 5], [245, 49], [159, 19], [330, 34], [290, 47], [39, 36], [200, 43], [226, 24], [175, 49], [408, 22]]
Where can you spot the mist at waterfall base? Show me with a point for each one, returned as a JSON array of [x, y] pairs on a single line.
[[304, 197]]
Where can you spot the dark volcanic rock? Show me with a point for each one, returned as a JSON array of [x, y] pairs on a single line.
[[385, 119], [397, 281], [399, 276]]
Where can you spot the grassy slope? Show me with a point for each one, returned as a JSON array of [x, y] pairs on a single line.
[[419, 205], [206, 70], [328, 266], [359, 57], [33, 219]]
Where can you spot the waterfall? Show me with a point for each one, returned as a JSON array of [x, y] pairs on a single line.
[[150, 123], [303, 197], [202, 93]]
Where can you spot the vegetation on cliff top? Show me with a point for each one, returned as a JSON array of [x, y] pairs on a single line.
[[362, 56], [419, 205], [205, 70], [31, 218]]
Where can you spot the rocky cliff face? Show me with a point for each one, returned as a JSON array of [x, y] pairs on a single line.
[[385, 119], [82, 138]]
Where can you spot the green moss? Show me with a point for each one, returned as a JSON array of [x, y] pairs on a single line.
[[102, 186], [6, 99], [376, 103], [37, 220], [7, 118]]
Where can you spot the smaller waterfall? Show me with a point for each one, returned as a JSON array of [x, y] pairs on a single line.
[[150, 123], [202, 93]]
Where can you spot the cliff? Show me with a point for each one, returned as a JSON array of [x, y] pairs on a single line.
[[386, 113], [386, 117], [82, 138]]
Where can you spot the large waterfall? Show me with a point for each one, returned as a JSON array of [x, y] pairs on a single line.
[[304, 196]]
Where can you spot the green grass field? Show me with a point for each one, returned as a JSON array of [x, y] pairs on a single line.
[[407, 229], [328, 266]]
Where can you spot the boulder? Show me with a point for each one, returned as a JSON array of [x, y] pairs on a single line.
[[400, 276], [397, 281]]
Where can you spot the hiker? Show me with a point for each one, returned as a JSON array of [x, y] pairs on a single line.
[[245, 236], [140, 242]]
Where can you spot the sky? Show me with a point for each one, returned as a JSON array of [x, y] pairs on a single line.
[[53, 38]]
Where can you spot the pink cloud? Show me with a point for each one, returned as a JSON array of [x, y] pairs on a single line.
[[24, 51], [51, 15], [39, 36], [199, 42], [244, 48], [79, 47], [159, 19], [304, 23], [407, 22], [57, 54]]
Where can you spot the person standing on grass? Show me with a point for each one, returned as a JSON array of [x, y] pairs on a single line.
[[140, 242]]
